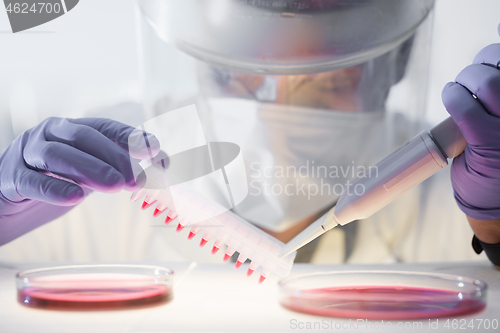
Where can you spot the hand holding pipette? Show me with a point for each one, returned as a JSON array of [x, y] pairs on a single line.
[[407, 167]]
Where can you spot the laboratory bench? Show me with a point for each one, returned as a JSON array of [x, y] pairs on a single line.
[[219, 298]]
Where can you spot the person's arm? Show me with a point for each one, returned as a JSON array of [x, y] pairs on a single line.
[[92, 153], [486, 231]]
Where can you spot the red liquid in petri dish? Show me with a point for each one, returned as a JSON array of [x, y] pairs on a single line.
[[385, 302], [93, 298]]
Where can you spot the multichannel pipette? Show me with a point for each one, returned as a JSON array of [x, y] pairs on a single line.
[[197, 185], [417, 160], [227, 228]]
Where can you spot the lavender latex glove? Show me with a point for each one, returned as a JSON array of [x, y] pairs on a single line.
[[92, 152], [474, 103]]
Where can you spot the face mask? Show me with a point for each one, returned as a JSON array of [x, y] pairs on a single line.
[[297, 159]]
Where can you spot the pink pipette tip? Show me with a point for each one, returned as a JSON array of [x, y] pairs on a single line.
[[136, 195], [250, 272], [191, 234], [179, 226], [145, 205], [215, 249], [226, 257], [238, 264], [157, 212], [168, 219], [262, 278], [203, 242]]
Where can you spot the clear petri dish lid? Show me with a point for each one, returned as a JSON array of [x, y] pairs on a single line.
[[94, 287], [382, 294]]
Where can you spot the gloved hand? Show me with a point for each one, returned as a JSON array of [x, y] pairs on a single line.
[[474, 103], [92, 152]]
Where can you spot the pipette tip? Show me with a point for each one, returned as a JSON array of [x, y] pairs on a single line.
[[313, 231], [179, 227], [157, 212], [203, 242], [226, 257], [250, 272], [191, 234], [215, 249], [262, 278], [136, 195], [238, 264], [168, 219]]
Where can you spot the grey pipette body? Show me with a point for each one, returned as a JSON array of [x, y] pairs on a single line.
[[417, 160]]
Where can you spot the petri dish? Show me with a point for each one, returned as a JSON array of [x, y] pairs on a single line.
[[382, 294], [94, 287]]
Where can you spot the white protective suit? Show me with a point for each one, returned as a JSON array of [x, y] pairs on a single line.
[[424, 224]]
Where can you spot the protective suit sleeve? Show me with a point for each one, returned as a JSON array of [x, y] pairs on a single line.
[[474, 103], [51, 167]]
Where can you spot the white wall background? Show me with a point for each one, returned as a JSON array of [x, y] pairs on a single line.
[[461, 29], [83, 59]]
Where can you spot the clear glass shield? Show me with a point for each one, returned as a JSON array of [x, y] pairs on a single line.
[[313, 94]]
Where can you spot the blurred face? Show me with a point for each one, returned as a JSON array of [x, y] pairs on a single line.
[[330, 90], [336, 90]]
